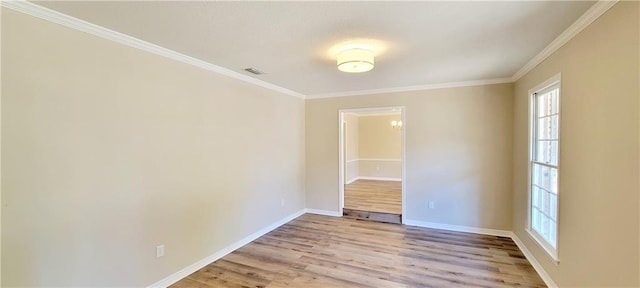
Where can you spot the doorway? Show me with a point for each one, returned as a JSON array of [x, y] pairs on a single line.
[[372, 163]]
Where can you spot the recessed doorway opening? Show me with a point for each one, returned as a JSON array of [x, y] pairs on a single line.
[[372, 163]]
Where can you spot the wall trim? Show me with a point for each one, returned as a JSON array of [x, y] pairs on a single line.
[[458, 228], [534, 262], [374, 159], [381, 159], [367, 114], [323, 212], [50, 15], [580, 24], [373, 177], [175, 277], [378, 178], [411, 88]]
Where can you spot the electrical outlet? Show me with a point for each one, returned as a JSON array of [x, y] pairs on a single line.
[[432, 204], [159, 251], [282, 202]]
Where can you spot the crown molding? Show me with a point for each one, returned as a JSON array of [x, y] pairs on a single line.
[[374, 113], [93, 29], [585, 20], [44, 13], [412, 88]]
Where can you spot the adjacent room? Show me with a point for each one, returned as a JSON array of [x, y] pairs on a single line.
[[372, 164], [320, 144]]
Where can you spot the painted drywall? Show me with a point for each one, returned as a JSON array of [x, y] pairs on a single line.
[[373, 147], [379, 168], [599, 149], [458, 153], [352, 144], [378, 140], [1, 150], [108, 151]]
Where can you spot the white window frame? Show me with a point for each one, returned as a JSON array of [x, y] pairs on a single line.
[[547, 247]]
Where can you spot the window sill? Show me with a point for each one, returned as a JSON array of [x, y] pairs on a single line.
[[550, 252]]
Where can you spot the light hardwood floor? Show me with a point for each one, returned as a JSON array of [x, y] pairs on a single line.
[[374, 196], [323, 251]]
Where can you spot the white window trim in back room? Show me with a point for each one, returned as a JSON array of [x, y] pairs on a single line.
[[50, 15], [542, 88]]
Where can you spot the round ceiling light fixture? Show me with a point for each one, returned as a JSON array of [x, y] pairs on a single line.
[[355, 60]]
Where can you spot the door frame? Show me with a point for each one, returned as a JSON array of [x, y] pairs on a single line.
[[341, 152]]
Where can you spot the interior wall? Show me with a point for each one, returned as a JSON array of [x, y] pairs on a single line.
[[378, 139], [353, 144], [1, 149], [380, 147], [599, 149], [458, 153], [381, 169], [108, 151]]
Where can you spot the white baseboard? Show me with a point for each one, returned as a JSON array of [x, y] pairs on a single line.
[[324, 212], [378, 178], [536, 265], [175, 277], [352, 180], [458, 228]]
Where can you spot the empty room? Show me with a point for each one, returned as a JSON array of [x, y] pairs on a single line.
[[320, 144]]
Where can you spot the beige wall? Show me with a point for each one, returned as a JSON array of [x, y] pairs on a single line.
[[1, 150], [378, 139], [353, 171], [458, 153], [352, 142], [108, 151], [380, 147], [598, 214], [378, 168]]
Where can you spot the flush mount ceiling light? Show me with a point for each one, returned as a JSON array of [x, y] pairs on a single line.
[[356, 55], [355, 60]]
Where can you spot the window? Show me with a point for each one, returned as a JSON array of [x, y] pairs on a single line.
[[544, 168]]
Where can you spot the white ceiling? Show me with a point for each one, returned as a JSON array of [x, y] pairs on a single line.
[[426, 42]]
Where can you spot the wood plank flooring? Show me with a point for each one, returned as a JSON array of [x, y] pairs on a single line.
[[323, 251], [374, 196]]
